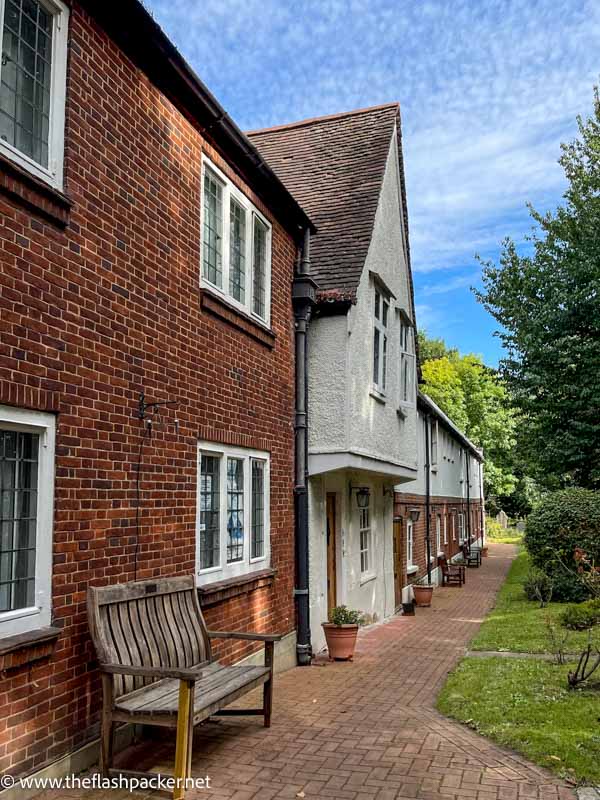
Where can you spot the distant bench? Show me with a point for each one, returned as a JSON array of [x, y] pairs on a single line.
[[157, 667]]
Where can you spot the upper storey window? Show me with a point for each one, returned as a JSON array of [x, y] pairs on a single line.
[[380, 338], [407, 361], [32, 85], [236, 245]]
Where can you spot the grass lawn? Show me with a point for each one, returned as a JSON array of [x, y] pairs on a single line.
[[518, 624], [526, 706], [502, 536]]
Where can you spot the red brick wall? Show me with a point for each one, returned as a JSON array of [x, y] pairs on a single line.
[[89, 316], [445, 507]]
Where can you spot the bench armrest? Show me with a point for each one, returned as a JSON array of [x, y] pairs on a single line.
[[252, 637], [180, 673]]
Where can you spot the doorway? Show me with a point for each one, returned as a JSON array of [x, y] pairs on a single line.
[[331, 552], [398, 571]]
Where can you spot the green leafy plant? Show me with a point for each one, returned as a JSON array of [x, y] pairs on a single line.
[[538, 586], [342, 615], [582, 616]]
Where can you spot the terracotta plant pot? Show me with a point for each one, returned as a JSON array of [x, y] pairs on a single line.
[[423, 595], [484, 551], [341, 641]]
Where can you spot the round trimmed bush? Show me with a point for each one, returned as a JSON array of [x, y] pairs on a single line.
[[563, 521], [538, 586]]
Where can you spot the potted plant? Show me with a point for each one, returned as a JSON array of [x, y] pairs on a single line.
[[422, 592], [341, 632]]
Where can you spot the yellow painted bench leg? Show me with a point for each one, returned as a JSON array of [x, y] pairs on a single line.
[[183, 733]]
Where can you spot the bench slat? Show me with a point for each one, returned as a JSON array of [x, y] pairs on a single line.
[[220, 684]]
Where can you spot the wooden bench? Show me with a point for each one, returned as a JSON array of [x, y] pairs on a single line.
[[157, 668], [471, 555], [451, 573]]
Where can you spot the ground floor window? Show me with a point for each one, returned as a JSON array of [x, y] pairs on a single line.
[[461, 527], [26, 518], [366, 554], [438, 532], [445, 528], [409, 544], [233, 511]]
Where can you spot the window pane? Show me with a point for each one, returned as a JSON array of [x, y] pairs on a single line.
[[18, 512], [377, 302], [365, 539], [386, 306], [376, 357], [258, 509], [384, 362], [212, 264], [235, 509], [237, 252], [209, 512], [25, 78], [259, 268]]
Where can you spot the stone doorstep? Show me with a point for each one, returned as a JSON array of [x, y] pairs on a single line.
[[588, 793]]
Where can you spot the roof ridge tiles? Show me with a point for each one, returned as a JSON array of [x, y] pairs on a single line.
[[325, 118]]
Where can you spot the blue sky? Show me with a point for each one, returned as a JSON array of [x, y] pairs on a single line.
[[488, 90]]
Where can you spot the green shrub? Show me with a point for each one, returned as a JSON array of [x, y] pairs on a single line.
[[567, 587], [562, 521], [342, 615], [582, 616], [538, 586]]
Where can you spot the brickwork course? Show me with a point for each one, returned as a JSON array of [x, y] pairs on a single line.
[[367, 730]]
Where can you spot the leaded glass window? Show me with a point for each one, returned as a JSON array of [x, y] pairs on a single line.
[[258, 509], [260, 268], [235, 510], [365, 540], [212, 268], [25, 78], [237, 251], [19, 452], [209, 511]]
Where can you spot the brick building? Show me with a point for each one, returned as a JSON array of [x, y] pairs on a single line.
[[146, 353], [449, 485]]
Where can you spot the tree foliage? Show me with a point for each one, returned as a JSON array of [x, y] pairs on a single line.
[[476, 400], [548, 304]]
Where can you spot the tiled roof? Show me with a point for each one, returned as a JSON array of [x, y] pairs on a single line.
[[334, 166]]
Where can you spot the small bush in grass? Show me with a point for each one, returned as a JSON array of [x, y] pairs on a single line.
[[538, 586], [581, 617]]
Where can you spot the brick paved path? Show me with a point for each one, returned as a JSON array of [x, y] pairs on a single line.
[[368, 730]]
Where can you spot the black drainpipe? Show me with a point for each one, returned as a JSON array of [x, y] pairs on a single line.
[[427, 497], [467, 457], [303, 298]]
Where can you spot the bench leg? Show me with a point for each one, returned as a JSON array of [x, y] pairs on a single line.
[[184, 719], [106, 726], [268, 686]]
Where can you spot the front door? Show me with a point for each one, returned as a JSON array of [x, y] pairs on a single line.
[[331, 553], [398, 574]]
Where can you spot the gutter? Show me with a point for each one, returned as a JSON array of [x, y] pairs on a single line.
[[303, 298]]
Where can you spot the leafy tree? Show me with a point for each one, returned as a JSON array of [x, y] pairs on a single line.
[[476, 400], [548, 303]]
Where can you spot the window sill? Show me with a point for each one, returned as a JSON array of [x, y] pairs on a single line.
[[376, 395], [211, 302], [24, 648], [371, 576], [412, 570], [33, 193], [213, 593]]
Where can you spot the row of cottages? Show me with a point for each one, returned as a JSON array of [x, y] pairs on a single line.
[[187, 385], [369, 427]]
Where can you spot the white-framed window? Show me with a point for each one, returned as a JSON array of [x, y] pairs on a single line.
[[236, 245], [438, 532], [233, 523], [380, 333], [461, 527], [407, 362], [453, 516], [27, 444], [445, 528], [365, 535], [433, 434], [409, 544], [33, 71]]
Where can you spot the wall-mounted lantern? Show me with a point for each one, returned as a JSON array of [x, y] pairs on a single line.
[[363, 495], [414, 514]]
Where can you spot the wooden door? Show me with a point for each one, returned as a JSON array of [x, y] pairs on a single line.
[[398, 571], [331, 553]]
